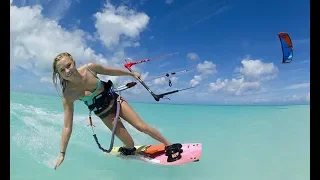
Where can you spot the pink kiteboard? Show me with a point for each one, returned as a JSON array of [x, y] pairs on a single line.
[[155, 154]]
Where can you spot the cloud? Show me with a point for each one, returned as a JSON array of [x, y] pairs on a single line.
[[193, 56], [206, 68], [296, 98], [252, 74], [45, 80], [164, 81], [59, 8], [256, 70], [298, 86], [305, 61], [301, 98], [289, 99], [234, 86], [36, 40], [160, 81], [164, 64], [196, 80], [169, 1], [119, 24]]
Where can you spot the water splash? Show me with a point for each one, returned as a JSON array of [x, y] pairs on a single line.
[[37, 131]]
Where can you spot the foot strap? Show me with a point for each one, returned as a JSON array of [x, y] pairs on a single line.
[[127, 151], [173, 152]]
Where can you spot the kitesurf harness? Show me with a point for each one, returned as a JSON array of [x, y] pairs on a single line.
[[101, 102]]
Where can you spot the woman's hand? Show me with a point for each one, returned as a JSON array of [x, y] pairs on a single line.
[[136, 75], [60, 160]]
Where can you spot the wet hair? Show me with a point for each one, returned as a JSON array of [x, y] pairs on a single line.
[[55, 73]]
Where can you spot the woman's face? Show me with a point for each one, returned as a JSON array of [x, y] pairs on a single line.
[[66, 68]]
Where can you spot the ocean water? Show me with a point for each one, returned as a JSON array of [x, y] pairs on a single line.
[[239, 142]]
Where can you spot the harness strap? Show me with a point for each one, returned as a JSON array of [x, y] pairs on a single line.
[[113, 129], [98, 102]]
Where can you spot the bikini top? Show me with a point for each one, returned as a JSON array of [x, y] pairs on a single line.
[[90, 97]]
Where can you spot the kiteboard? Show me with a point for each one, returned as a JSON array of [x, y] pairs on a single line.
[[155, 154]]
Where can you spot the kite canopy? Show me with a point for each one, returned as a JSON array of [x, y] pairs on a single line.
[[287, 49]]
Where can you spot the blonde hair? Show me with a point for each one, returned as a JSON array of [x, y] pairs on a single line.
[[55, 73]]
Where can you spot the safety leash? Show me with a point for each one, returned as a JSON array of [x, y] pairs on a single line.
[[114, 127]]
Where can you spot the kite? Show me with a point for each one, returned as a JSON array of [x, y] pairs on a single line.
[[287, 48]]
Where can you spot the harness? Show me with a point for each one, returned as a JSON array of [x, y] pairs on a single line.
[[113, 130], [100, 102]]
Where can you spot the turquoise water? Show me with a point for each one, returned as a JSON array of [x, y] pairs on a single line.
[[240, 142]]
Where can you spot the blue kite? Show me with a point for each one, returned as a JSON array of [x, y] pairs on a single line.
[[287, 48]]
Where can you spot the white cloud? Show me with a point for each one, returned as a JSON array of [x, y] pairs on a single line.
[[46, 79], [118, 58], [234, 86], [252, 74], [298, 86], [114, 23], [164, 81], [160, 81], [295, 98], [206, 68], [36, 40], [305, 61], [289, 99], [196, 80], [144, 75], [59, 9], [174, 80], [262, 98], [254, 70], [193, 56]]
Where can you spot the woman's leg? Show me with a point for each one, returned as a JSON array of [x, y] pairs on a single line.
[[128, 114], [121, 131]]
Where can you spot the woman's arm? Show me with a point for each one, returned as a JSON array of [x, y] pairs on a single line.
[[67, 125], [109, 71]]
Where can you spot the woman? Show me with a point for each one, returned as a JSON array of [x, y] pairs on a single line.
[[84, 84]]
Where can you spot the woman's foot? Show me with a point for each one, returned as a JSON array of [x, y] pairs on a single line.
[[127, 151], [173, 152]]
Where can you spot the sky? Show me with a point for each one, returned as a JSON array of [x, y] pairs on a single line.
[[230, 47]]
